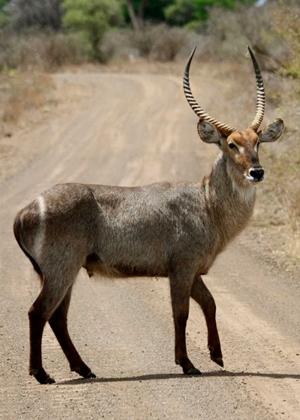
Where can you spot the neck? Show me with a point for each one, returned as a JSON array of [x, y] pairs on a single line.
[[229, 198]]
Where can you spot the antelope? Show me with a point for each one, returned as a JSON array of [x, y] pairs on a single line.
[[166, 229]]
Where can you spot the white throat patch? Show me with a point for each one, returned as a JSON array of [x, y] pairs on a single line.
[[247, 194]]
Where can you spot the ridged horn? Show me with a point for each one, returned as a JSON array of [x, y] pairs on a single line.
[[225, 129], [261, 98]]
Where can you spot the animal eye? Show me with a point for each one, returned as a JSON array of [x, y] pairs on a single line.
[[232, 146]]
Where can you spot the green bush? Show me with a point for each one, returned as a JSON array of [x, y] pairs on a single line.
[[93, 18], [181, 12]]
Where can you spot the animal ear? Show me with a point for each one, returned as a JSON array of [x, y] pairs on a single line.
[[272, 132], [208, 132]]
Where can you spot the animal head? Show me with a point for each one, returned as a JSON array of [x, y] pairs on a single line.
[[239, 147]]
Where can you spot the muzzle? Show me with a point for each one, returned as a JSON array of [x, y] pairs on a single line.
[[256, 174]]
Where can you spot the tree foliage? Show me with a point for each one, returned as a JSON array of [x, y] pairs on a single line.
[[49, 13], [93, 18], [174, 12], [150, 10], [3, 12], [181, 12], [3, 3]]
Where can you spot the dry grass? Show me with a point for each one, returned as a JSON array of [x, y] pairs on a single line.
[[20, 95], [278, 204], [39, 51], [286, 18]]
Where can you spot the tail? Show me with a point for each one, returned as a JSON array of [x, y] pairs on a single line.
[[18, 236]]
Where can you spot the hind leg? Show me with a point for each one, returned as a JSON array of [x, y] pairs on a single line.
[[204, 298], [38, 314], [58, 323], [55, 288]]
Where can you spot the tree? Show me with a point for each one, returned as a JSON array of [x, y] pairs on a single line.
[[93, 18], [181, 12], [3, 12], [137, 19], [138, 11]]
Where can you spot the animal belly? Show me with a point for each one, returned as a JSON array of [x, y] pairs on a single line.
[[95, 265]]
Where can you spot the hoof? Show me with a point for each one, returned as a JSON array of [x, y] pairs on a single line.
[[193, 372], [45, 381], [48, 380], [42, 377], [83, 371], [218, 361], [90, 375]]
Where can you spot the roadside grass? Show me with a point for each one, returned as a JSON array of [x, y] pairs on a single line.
[[20, 95], [277, 215]]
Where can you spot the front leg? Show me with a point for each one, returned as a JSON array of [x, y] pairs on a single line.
[[204, 298], [180, 296]]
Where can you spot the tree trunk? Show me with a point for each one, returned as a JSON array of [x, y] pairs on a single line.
[[133, 17], [141, 12], [137, 20]]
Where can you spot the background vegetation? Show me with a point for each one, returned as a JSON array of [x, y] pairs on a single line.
[[48, 34], [51, 33]]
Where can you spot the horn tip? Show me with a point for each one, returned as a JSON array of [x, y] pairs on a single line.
[[192, 53], [250, 51], [187, 67]]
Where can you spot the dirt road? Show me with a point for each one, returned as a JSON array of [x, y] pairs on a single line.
[[130, 130]]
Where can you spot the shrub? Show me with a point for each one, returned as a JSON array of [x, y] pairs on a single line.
[[160, 42], [169, 43], [58, 50], [45, 51], [287, 25], [144, 40], [34, 13], [229, 32], [93, 18]]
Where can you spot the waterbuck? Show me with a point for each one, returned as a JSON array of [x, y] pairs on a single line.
[[167, 229]]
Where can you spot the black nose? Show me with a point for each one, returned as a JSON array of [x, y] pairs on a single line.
[[257, 173]]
